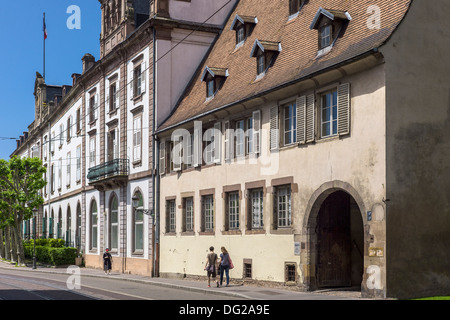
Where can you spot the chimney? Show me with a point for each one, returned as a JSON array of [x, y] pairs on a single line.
[[88, 62], [75, 76]]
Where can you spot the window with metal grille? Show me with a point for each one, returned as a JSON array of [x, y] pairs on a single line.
[[248, 270], [290, 272], [233, 210]]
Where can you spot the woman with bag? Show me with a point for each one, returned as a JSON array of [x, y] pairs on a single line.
[[225, 265], [210, 266]]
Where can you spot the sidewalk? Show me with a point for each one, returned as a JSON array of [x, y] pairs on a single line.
[[243, 291]]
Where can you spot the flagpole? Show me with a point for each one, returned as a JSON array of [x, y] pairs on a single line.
[[44, 44]]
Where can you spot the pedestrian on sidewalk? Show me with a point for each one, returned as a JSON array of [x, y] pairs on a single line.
[[210, 266], [225, 265], [107, 262]]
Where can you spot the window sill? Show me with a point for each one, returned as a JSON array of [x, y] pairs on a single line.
[[171, 233], [206, 233], [232, 232], [287, 230], [255, 231], [112, 113], [137, 98], [139, 253], [188, 233]]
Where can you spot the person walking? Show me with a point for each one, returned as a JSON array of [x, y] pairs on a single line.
[[107, 262], [210, 266], [224, 265]]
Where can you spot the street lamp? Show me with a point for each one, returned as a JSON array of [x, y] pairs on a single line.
[[35, 212], [135, 204]]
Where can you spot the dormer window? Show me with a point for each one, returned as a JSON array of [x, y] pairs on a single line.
[[265, 53], [295, 6], [214, 78], [243, 25], [329, 24]]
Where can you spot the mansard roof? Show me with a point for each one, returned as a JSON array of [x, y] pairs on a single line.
[[299, 58]]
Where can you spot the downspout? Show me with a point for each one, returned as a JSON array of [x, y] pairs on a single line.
[[155, 169]]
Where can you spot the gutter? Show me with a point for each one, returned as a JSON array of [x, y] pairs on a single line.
[[287, 84]]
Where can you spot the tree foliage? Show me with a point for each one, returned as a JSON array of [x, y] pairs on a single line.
[[20, 183]]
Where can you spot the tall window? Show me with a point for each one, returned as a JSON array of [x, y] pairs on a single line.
[[61, 134], [137, 78], [137, 138], [208, 213], [78, 227], [170, 211], [78, 163], [52, 172], [113, 145], [94, 221], [113, 97], [69, 128], [138, 224], [290, 124], [68, 173], [233, 210], [92, 107], [69, 227], [50, 224], [283, 206], [78, 120], [92, 151], [188, 208], [44, 224], [256, 208], [329, 114], [59, 234], [59, 173], [114, 224], [240, 34], [210, 89]]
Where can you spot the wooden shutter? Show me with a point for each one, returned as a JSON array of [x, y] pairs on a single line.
[[310, 124], [131, 83], [227, 140], [143, 76], [176, 154], [162, 157], [256, 131], [274, 130], [301, 119], [217, 143], [343, 106], [137, 139], [197, 156]]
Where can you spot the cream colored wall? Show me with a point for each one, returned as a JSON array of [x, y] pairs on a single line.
[[358, 159]]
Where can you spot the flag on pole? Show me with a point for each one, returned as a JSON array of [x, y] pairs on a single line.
[[45, 28]]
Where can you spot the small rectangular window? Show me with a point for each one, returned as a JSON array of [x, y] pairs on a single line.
[[256, 208], [290, 124], [261, 63], [188, 212], [290, 272], [233, 210], [283, 206]]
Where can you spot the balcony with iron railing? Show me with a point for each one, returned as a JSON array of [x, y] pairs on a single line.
[[110, 174]]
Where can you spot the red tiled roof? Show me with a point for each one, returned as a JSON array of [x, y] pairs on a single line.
[[299, 44]]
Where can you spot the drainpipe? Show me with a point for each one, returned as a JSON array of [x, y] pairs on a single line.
[[155, 170]]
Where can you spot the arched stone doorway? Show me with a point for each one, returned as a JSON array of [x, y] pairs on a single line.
[[334, 227]]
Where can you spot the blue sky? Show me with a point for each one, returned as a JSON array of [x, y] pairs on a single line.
[[21, 55]]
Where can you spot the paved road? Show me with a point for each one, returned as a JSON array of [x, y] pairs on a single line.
[[20, 285]]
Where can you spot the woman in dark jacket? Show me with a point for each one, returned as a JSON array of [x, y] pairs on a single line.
[[107, 261], [224, 265]]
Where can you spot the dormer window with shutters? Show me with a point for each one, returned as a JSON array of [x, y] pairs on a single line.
[[243, 25], [214, 79], [265, 53], [330, 25]]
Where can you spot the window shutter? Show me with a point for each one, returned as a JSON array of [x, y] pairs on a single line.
[[117, 95], [116, 144], [143, 76], [96, 107], [217, 143], [310, 123], [131, 84], [162, 157], [256, 131], [343, 106], [176, 156], [197, 146], [301, 124], [274, 130], [227, 140]]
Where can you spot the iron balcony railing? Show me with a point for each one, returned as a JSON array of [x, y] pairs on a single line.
[[110, 169]]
